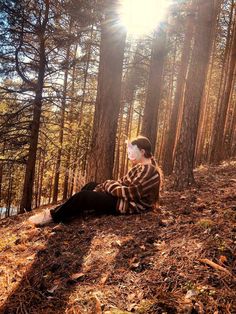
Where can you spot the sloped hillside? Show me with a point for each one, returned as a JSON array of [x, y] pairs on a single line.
[[181, 260]]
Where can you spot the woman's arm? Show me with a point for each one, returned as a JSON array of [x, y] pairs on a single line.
[[131, 186]]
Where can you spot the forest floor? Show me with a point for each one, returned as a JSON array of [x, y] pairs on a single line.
[[181, 260]]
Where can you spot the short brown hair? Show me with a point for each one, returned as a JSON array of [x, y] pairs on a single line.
[[143, 143]]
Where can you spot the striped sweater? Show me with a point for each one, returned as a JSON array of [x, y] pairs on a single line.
[[137, 191]]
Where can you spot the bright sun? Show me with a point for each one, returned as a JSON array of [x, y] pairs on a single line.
[[142, 16]]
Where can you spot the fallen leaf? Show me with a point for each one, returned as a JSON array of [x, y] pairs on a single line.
[[53, 289], [222, 259], [104, 279], [131, 307], [131, 297], [30, 258], [77, 276], [135, 265], [58, 227], [190, 294], [118, 242], [98, 307]]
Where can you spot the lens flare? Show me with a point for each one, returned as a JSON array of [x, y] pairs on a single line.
[[142, 16]]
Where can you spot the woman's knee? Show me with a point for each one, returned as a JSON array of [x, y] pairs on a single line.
[[83, 197], [90, 186]]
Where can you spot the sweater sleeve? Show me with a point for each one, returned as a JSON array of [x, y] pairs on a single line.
[[99, 188], [132, 190]]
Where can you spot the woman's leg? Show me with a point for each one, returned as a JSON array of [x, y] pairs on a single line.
[[90, 186], [85, 200]]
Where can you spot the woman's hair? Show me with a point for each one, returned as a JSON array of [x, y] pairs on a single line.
[[143, 143]]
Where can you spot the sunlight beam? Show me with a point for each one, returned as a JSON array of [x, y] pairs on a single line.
[[142, 16]]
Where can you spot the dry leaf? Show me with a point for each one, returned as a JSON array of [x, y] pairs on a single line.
[[30, 258], [131, 307], [222, 259], [118, 242], [104, 279], [58, 227], [77, 276], [131, 297], [135, 265], [52, 289], [190, 294], [98, 307]]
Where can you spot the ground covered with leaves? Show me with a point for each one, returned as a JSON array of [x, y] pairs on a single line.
[[179, 260]]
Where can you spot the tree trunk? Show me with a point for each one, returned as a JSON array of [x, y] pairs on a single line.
[[37, 179], [168, 161], [88, 60], [223, 78], [1, 170], [26, 200], [193, 94], [1, 175], [231, 130], [72, 147], [66, 176], [130, 84], [81, 111], [203, 119], [51, 184], [61, 132], [150, 115], [167, 109], [41, 176], [101, 160], [9, 193], [217, 152]]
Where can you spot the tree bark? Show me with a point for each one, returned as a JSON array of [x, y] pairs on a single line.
[[217, 152], [230, 142], [1, 175], [167, 110], [41, 176], [62, 122], [9, 193], [1, 171], [168, 161], [193, 93], [73, 149], [101, 159], [37, 108], [150, 115]]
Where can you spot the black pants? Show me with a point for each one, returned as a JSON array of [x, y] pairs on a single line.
[[83, 202]]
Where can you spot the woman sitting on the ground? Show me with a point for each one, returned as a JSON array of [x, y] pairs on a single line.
[[136, 192]]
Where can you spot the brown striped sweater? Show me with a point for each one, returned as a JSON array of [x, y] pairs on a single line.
[[137, 191]]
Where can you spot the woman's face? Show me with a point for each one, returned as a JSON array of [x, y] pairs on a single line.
[[135, 154]]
